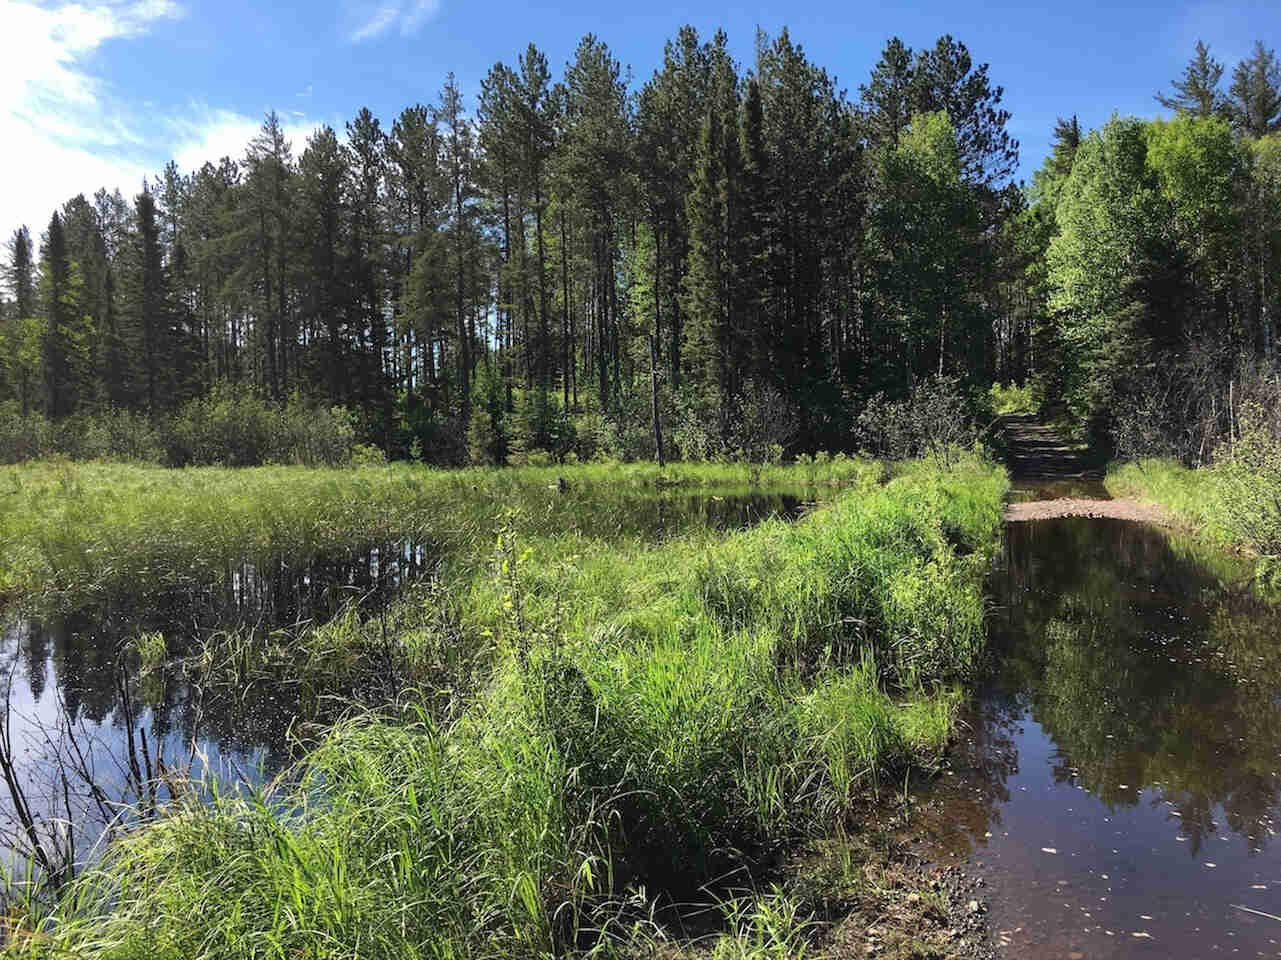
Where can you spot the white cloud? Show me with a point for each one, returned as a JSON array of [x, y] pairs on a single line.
[[69, 132], [65, 130], [374, 20], [206, 134], [417, 14], [376, 23]]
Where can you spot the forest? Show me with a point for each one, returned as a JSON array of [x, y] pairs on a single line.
[[713, 258], [592, 538]]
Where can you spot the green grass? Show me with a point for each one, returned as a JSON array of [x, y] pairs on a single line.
[[1224, 507], [1192, 496], [650, 716], [72, 533]]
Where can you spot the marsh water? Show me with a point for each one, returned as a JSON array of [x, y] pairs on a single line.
[[1119, 777], [77, 705]]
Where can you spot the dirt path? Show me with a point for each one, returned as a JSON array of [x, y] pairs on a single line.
[[1074, 507], [1041, 459], [1037, 451]]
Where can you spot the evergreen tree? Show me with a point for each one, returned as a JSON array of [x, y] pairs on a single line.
[[459, 159], [269, 167], [709, 281], [68, 333], [22, 331], [20, 276], [149, 302], [597, 158], [1255, 94], [888, 97], [1197, 91], [537, 109], [323, 216], [367, 160], [1066, 141], [945, 79]]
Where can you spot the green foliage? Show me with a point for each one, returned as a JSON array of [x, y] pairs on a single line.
[[1015, 399], [938, 420], [652, 717], [236, 428], [924, 237], [1148, 254]]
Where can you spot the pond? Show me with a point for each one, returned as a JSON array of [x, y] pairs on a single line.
[[77, 707], [1118, 781]]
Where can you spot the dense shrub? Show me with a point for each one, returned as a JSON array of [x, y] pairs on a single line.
[[235, 428], [755, 426], [106, 435], [228, 427], [23, 437], [937, 420]]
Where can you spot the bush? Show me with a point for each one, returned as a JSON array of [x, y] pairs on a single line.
[[239, 429], [1014, 399], [936, 420], [755, 427], [23, 437], [1250, 479]]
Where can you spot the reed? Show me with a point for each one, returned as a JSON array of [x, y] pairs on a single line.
[[652, 716]]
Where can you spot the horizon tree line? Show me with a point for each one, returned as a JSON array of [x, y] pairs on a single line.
[[717, 234]]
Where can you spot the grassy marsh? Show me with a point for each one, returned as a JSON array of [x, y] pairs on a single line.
[[72, 532], [643, 719]]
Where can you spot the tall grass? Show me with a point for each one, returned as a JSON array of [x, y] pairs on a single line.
[[1196, 497], [656, 715], [76, 532]]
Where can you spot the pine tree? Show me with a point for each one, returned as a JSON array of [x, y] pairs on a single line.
[[755, 238], [946, 79], [888, 96], [20, 277], [1197, 91], [598, 154], [669, 116], [367, 160], [459, 163], [150, 303], [323, 217], [22, 332], [1066, 141], [68, 332], [269, 163], [537, 109], [714, 347], [1255, 103]]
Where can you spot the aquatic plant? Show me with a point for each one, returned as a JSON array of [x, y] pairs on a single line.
[[654, 716]]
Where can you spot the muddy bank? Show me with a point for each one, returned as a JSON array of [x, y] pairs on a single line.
[[1099, 509]]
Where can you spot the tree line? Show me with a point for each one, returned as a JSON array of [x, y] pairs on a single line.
[[717, 249], [1154, 249]]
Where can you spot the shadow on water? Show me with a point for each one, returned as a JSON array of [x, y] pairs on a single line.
[[1118, 780], [76, 697]]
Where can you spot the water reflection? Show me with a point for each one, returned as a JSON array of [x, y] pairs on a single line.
[[1120, 777], [77, 697]]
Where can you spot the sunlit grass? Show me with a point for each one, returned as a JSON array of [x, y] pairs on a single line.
[[653, 716], [75, 532]]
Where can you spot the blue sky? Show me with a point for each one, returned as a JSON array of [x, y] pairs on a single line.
[[103, 92]]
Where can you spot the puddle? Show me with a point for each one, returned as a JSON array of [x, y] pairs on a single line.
[[1120, 778], [1027, 491], [73, 710]]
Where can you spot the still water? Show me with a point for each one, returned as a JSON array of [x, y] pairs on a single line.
[[1119, 782], [91, 734]]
